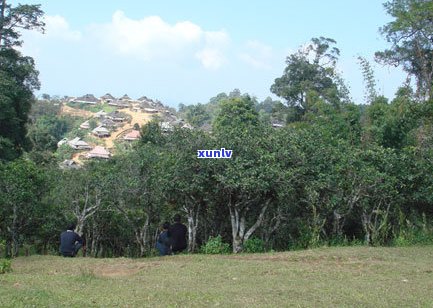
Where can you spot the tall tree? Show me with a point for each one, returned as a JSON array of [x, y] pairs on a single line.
[[14, 19], [21, 189], [310, 73], [246, 182], [18, 77], [411, 38], [369, 80]]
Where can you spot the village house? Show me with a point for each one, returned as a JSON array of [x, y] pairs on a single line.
[[277, 125], [101, 132], [131, 136], [78, 144], [143, 99], [166, 127], [99, 152], [62, 142], [85, 125], [69, 164], [87, 99], [100, 114], [187, 126], [125, 98], [107, 98], [116, 116], [150, 110], [108, 123], [119, 103]]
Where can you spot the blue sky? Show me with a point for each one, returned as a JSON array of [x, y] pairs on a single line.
[[189, 51]]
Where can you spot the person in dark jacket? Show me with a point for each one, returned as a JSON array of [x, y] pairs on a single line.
[[70, 242], [163, 243], [178, 235]]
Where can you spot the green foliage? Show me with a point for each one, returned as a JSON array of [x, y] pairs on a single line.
[[13, 19], [64, 152], [5, 266], [48, 130], [413, 232], [215, 245], [369, 80], [254, 245], [304, 80], [411, 36], [18, 77], [197, 115], [151, 133]]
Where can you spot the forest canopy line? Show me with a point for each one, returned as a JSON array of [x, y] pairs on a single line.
[[312, 169]]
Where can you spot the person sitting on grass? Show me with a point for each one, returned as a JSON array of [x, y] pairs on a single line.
[[163, 243], [70, 242], [178, 233]]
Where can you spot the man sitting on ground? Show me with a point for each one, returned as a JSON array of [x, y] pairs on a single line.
[[178, 235], [70, 242]]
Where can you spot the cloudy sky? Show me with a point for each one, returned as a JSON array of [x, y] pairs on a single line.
[[189, 51]]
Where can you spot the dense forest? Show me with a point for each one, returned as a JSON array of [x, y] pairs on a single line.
[[312, 169]]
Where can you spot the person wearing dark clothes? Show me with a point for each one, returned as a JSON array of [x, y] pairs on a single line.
[[178, 235], [163, 244], [70, 242]]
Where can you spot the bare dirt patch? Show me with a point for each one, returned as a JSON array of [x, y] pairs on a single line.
[[76, 112], [122, 269]]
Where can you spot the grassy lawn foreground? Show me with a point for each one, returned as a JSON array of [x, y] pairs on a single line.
[[352, 276]]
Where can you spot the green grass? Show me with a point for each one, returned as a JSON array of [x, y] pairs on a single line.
[[325, 277]]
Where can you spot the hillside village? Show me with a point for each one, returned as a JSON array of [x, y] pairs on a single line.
[[110, 122]]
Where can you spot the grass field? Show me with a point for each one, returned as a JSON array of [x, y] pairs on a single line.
[[326, 277]]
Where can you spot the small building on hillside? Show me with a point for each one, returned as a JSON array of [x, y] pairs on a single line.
[[78, 144], [69, 164], [85, 125], [99, 152], [187, 126], [131, 136], [100, 114], [87, 99], [108, 123], [116, 116], [62, 142], [125, 98], [166, 127], [101, 132], [150, 110], [277, 125], [119, 104], [107, 98]]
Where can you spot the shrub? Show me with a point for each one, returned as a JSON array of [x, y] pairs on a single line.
[[418, 232], [254, 245], [5, 266], [215, 245]]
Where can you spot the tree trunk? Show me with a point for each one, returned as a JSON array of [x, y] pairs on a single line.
[[14, 232], [238, 222], [366, 220], [141, 234], [192, 212]]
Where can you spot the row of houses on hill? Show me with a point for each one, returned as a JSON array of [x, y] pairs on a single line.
[[141, 104]]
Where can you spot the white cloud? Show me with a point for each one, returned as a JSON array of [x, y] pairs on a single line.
[[212, 55], [258, 55], [57, 27], [210, 58], [151, 38]]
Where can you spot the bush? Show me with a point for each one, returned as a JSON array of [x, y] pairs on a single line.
[[254, 245], [5, 266], [214, 246], [418, 232]]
